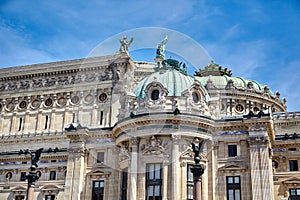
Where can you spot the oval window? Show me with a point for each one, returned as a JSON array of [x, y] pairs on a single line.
[[195, 97], [154, 95]]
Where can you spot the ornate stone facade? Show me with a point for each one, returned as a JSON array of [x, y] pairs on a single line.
[[113, 128]]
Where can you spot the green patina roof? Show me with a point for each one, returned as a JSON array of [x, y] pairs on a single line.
[[175, 79], [176, 82], [220, 76], [221, 81]]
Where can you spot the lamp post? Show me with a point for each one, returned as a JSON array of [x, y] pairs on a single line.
[[197, 169], [32, 177]]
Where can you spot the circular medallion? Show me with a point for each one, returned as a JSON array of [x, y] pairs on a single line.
[[102, 97], [23, 104], [10, 106], [61, 101], [75, 100], [88, 98], [48, 102], [35, 103]]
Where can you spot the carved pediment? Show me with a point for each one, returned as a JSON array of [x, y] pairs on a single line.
[[19, 189], [232, 166], [100, 170], [51, 188]]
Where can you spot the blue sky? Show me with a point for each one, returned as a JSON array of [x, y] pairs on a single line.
[[258, 40]]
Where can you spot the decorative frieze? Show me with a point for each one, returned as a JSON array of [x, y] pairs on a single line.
[[57, 81]]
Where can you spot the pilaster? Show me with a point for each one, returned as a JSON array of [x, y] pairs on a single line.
[[176, 172], [133, 168], [76, 165], [261, 180]]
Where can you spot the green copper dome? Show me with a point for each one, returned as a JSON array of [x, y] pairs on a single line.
[[175, 81]]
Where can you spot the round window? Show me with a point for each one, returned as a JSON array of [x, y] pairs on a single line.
[[195, 97], [154, 95]]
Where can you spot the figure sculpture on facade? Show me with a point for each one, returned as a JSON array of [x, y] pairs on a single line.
[[35, 157], [125, 44], [160, 51], [196, 146]]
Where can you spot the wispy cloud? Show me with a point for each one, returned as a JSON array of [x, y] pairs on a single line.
[[16, 50]]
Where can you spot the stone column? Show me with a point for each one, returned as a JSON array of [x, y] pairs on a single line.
[[133, 169], [261, 168], [176, 172]]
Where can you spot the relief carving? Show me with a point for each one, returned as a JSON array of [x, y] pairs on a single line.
[[50, 82], [2, 87], [37, 83], [63, 80], [12, 86], [24, 85], [124, 152], [154, 146]]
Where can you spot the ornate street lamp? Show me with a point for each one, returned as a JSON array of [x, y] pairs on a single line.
[[32, 177], [197, 169]]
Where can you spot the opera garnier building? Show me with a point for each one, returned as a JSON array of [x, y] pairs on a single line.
[[113, 128]]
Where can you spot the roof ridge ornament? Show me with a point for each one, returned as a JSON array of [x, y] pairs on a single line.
[[214, 70]]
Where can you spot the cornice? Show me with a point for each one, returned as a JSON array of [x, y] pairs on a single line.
[[32, 138], [83, 64], [163, 119]]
